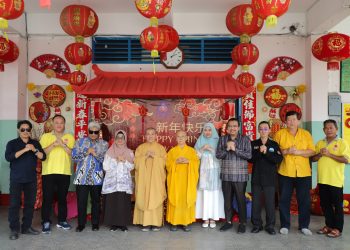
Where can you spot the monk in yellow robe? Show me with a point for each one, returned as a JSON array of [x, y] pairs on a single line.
[[182, 165], [150, 179]]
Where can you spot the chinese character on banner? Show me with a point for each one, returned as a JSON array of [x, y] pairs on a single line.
[[249, 115], [82, 105]]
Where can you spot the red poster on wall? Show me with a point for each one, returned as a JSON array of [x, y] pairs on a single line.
[[249, 115], [82, 106]]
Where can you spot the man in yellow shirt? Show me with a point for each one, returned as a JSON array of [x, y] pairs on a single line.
[[182, 166], [332, 155], [56, 172], [297, 146]]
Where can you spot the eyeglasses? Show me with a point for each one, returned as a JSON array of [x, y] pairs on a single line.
[[25, 129], [94, 132]]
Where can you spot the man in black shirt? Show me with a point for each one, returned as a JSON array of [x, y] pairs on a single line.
[[266, 155], [22, 153]]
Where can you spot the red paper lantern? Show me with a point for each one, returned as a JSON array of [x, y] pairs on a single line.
[[10, 9], [270, 10], [143, 113], [243, 21], [227, 110], [154, 39], [78, 54], [79, 21], [77, 78], [8, 52], [153, 9], [246, 79], [172, 37], [245, 54], [332, 48]]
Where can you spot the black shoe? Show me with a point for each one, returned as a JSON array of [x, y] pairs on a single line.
[[113, 228], [123, 229], [79, 229], [256, 229], [186, 228], [95, 227], [270, 231], [241, 229], [173, 228], [13, 235], [30, 231], [226, 227]]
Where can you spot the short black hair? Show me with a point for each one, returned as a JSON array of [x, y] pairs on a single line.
[[20, 123], [330, 121], [264, 122], [233, 119], [53, 118], [290, 113]]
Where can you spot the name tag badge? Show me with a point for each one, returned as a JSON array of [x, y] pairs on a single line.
[[271, 150], [256, 147]]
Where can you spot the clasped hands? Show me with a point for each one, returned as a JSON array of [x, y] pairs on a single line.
[[121, 158], [182, 160], [150, 154], [59, 143], [91, 151], [30, 147], [230, 146], [263, 149], [291, 151], [325, 152], [207, 147]]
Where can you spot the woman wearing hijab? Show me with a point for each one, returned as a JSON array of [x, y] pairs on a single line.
[[117, 185], [210, 201]]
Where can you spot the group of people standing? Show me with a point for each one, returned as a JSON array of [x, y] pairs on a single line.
[[194, 183]]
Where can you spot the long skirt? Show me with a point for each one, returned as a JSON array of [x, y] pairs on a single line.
[[118, 209], [210, 205]]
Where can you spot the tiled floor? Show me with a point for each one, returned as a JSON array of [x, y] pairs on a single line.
[[199, 238]]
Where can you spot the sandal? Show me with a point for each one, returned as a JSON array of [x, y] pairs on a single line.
[[335, 233], [212, 224], [324, 230], [205, 224]]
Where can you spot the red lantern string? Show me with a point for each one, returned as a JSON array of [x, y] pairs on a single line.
[[186, 112]]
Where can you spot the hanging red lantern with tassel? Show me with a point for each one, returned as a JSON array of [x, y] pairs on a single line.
[[153, 9], [97, 111], [9, 52], [78, 54], [154, 39], [227, 110], [143, 113], [172, 37], [244, 22], [185, 112], [77, 78], [332, 48], [270, 10], [245, 54], [10, 9], [79, 21], [246, 79]]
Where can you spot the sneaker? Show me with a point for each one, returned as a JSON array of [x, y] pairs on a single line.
[[212, 224], [46, 228], [205, 224], [306, 231], [226, 227], [155, 229], [113, 228], [145, 229], [64, 225], [284, 231], [123, 228]]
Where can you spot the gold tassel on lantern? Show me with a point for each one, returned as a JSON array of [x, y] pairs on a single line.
[[69, 88], [260, 87], [271, 21], [4, 24], [31, 86]]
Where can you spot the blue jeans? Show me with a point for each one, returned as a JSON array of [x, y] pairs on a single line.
[[29, 190], [302, 186]]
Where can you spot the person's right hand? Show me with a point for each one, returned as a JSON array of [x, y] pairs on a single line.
[[30, 147], [91, 151]]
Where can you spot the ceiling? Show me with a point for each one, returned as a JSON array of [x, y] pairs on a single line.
[[127, 6]]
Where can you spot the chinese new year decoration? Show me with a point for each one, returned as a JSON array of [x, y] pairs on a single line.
[[185, 112], [270, 10], [244, 22], [77, 78], [332, 48], [245, 54], [79, 21], [153, 9], [246, 79], [227, 110], [8, 52], [10, 9], [143, 113], [279, 68], [45, 4], [78, 54]]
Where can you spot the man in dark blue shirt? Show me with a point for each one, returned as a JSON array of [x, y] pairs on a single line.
[[22, 153]]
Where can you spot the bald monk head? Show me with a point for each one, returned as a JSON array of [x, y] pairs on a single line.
[[181, 138], [151, 135]]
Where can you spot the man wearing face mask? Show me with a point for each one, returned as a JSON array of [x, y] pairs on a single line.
[[22, 153]]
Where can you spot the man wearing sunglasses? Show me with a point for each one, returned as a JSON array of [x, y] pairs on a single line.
[[23, 153]]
